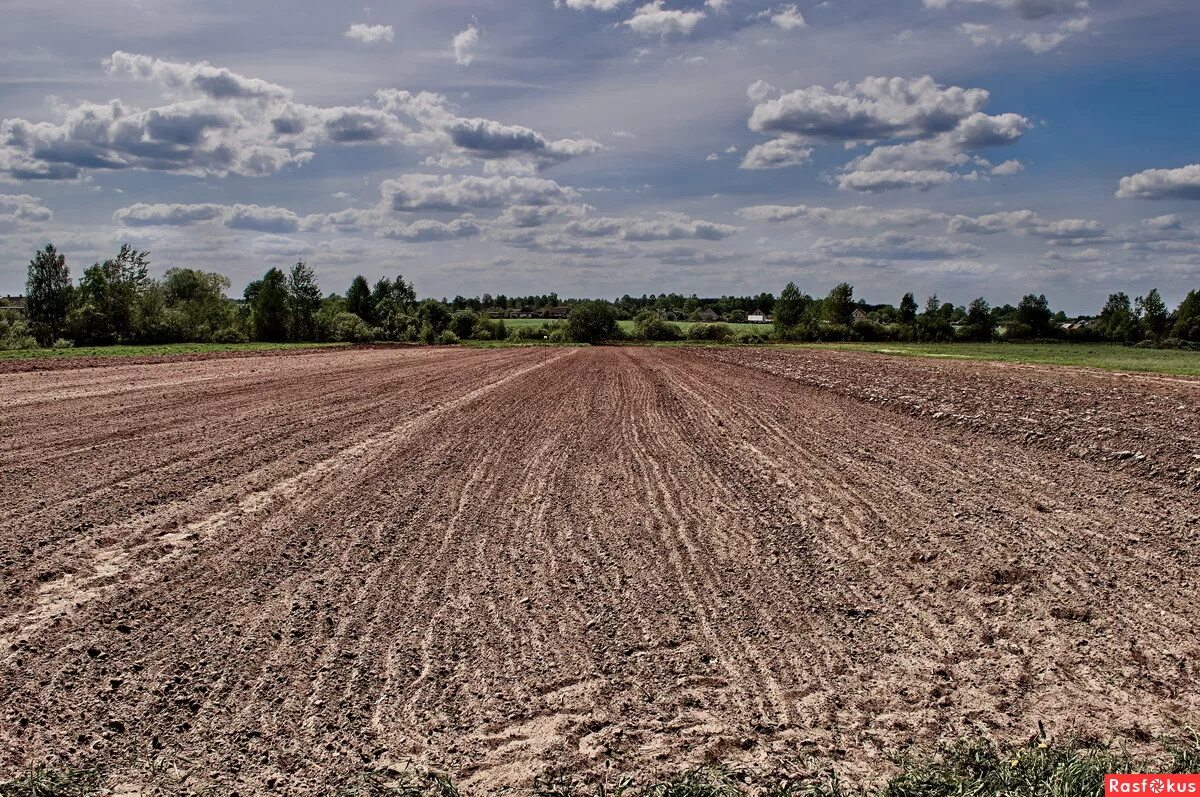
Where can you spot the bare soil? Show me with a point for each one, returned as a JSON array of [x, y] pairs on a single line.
[[258, 574]]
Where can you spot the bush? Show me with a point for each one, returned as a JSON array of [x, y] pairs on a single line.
[[63, 343], [490, 329], [349, 328], [592, 322], [15, 333], [540, 332], [656, 328], [751, 338], [721, 333], [230, 335], [447, 338], [463, 324]]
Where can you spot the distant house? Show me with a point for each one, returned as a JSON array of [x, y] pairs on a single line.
[[707, 315], [525, 312], [758, 317], [858, 315], [14, 304], [562, 311]]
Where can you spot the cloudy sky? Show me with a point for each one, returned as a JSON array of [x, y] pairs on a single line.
[[601, 147]]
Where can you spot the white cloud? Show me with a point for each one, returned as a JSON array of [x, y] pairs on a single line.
[[1064, 232], [1043, 42], [199, 78], [236, 217], [1027, 9], [787, 17], [599, 5], [654, 20], [945, 124], [873, 182], [425, 230], [370, 34], [1181, 183], [463, 45], [23, 209], [777, 153], [663, 227], [857, 216], [897, 246], [1008, 167], [445, 192], [480, 138]]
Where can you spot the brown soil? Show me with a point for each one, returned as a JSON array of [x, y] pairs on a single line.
[[265, 572]]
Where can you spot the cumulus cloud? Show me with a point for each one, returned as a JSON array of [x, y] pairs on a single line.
[[938, 129], [218, 122], [426, 230], [413, 192], [653, 19], [23, 209], [1027, 9], [896, 246], [199, 79], [777, 153], [371, 34], [787, 17], [1181, 183], [663, 227], [463, 45], [1008, 167], [488, 140], [236, 217], [857, 216], [599, 5], [1064, 232]]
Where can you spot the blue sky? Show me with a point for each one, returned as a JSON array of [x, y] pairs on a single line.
[[601, 147]]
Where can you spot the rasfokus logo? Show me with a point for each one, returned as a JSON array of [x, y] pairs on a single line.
[[1151, 784]]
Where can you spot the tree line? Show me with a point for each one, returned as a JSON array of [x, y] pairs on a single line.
[[118, 302]]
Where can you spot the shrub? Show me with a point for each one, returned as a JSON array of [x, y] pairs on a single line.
[[15, 333], [463, 324], [447, 338], [63, 343], [751, 338], [490, 329], [230, 335], [656, 328], [592, 322], [716, 332], [540, 332], [349, 328]]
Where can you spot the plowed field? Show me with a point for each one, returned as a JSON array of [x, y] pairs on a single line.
[[270, 571]]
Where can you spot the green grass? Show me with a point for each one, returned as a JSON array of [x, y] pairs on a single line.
[[971, 768], [154, 351], [1109, 356]]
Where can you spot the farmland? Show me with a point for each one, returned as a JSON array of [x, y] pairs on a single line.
[[273, 571]]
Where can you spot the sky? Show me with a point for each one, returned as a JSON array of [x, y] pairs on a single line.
[[603, 147]]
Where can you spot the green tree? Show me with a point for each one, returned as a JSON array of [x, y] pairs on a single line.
[[1116, 320], [1186, 320], [110, 296], [199, 297], [434, 315], [268, 299], [789, 309], [979, 325], [48, 292], [358, 299], [1033, 316], [1154, 314], [908, 310], [839, 304], [463, 324], [304, 301], [592, 322]]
